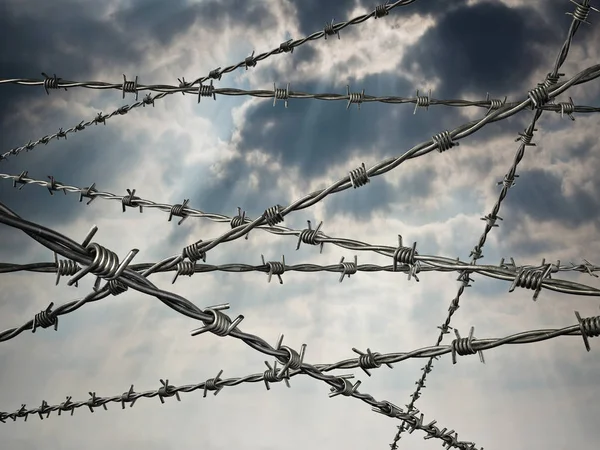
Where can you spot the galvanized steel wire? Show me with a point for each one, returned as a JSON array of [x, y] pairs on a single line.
[[119, 275]]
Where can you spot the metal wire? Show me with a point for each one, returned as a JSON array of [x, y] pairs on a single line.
[[562, 108], [202, 90], [120, 275], [531, 279]]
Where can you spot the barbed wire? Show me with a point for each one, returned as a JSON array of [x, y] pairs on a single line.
[[276, 93], [215, 74], [587, 328], [538, 97], [528, 276], [90, 257], [568, 108], [534, 277], [361, 176], [307, 236]]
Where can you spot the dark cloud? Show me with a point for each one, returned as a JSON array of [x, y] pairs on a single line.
[[480, 48], [165, 21], [538, 194], [313, 15]]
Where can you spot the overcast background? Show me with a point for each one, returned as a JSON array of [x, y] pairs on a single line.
[[245, 152]]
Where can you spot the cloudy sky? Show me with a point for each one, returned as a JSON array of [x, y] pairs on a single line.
[[240, 151]]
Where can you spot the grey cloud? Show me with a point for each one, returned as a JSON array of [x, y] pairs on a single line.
[[538, 195], [481, 47], [164, 22], [313, 15]]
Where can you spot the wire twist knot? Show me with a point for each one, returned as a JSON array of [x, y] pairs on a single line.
[[20, 180], [128, 397], [215, 74], [539, 96], [130, 200], [187, 268], [494, 103], [178, 211], [552, 79], [193, 252], [581, 12], [444, 141], [348, 268], [148, 100], [526, 137], [567, 108], [67, 405], [116, 287], [45, 319], [130, 87], [532, 278], [464, 346], [286, 46], [206, 91], [347, 388], [330, 30], [281, 94], [293, 360], [589, 327], [52, 186], [105, 263], [51, 83], [422, 101], [211, 384], [273, 215], [221, 324], [406, 256], [250, 61], [381, 10], [367, 360], [271, 376], [359, 176], [65, 267], [274, 268], [88, 192], [354, 97], [94, 402], [309, 236], [166, 390]]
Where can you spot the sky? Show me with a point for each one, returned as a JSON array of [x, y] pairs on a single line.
[[244, 152]]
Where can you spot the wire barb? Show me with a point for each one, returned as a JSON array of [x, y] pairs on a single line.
[[221, 324], [330, 30], [309, 236], [274, 268], [130, 87], [359, 177]]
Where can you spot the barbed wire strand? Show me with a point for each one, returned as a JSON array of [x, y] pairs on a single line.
[[526, 278], [568, 108], [427, 263], [587, 328], [357, 178], [105, 264], [361, 176], [215, 74]]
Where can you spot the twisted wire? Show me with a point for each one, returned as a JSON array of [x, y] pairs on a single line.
[[215, 74], [103, 263], [527, 278], [588, 327], [286, 94], [502, 272]]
